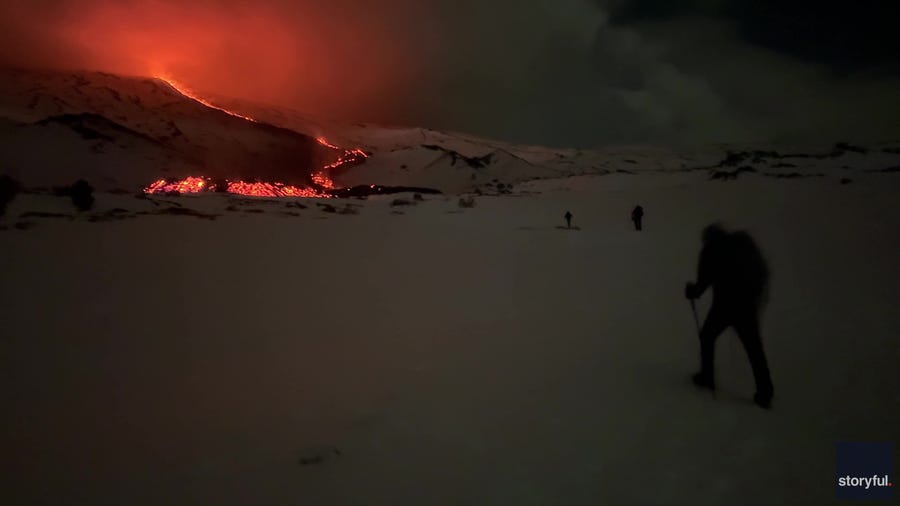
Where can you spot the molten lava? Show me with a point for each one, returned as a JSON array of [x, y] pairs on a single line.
[[188, 185], [272, 190], [193, 184], [257, 189], [185, 91], [323, 141]]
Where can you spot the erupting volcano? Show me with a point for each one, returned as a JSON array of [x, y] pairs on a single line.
[[322, 183]]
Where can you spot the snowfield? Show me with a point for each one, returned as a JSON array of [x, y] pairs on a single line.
[[407, 350], [442, 356]]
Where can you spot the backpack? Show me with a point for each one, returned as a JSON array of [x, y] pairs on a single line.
[[753, 269]]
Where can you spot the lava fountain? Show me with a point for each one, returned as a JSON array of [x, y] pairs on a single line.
[[193, 184]]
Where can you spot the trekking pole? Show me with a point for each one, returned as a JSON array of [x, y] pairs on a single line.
[[699, 335], [696, 320]]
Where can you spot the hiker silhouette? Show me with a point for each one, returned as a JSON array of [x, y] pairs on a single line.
[[732, 264], [637, 216], [8, 190], [568, 217], [82, 195]]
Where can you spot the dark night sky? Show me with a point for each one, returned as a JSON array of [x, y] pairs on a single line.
[[562, 72]]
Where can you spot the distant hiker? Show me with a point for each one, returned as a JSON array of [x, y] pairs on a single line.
[[732, 264], [637, 215], [568, 219], [82, 195], [9, 187]]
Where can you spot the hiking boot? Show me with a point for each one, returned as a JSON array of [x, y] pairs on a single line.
[[704, 381], [763, 400]]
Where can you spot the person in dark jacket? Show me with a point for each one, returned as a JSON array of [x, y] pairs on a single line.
[[733, 266], [568, 217], [637, 216]]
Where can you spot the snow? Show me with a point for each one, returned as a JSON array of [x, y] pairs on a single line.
[[444, 356], [221, 350], [147, 130]]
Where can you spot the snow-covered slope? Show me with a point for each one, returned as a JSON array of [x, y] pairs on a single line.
[[412, 350], [213, 350], [123, 132], [126, 132], [456, 161]]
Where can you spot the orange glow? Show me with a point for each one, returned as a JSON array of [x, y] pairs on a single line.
[[333, 60], [187, 185], [322, 179], [349, 156], [184, 90], [272, 190], [323, 141], [260, 189], [200, 185]]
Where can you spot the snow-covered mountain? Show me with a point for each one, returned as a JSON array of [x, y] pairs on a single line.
[[420, 350], [125, 132]]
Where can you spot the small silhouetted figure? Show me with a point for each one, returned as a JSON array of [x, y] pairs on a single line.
[[8, 190], [82, 195], [568, 217], [637, 216], [732, 264]]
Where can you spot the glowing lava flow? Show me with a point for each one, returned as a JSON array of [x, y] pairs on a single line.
[[321, 177], [272, 190], [202, 185], [323, 141], [183, 90], [192, 184], [188, 185]]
